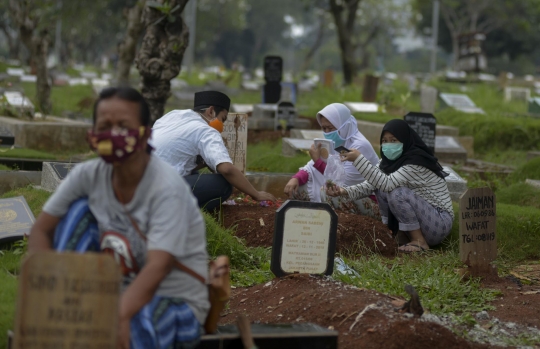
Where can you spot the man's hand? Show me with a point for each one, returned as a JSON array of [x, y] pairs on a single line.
[[335, 190], [350, 156], [264, 196], [291, 187], [123, 333], [315, 152]]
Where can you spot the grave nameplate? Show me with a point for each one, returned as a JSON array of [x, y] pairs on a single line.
[[53, 174], [328, 78], [28, 78], [17, 100], [285, 116], [273, 68], [460, 102], [16, 218], [477, 230], [517, 94], [424, 124], [68, 300], [428, 99], [304, 238], [15, 71], [234, 135], [6, 137]]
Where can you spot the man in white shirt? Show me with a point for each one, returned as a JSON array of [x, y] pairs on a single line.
[[191, 139]]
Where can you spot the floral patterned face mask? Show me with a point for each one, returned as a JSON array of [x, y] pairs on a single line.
[[116, 145]]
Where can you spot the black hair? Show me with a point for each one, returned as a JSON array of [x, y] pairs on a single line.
[[201, 108], [127, 94]]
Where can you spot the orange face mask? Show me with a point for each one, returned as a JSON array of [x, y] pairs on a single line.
[[217, 124]]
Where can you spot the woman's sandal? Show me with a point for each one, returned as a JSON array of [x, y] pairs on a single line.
[[421, 249]]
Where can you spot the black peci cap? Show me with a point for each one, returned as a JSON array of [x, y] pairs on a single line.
[[214, 98]]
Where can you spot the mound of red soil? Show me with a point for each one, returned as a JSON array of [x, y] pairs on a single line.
[[319, 300], [355, 235]]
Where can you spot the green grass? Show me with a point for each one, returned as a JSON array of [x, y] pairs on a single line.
[[64, 98], [266, 157], [35, 198], [529, 170], [440, 288], [9, 266], [23, 153], [520, 194]]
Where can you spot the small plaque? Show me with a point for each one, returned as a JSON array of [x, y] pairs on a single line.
[[477, 230], [62, 169], [304, 238], [68, 300], [16, 218], [425, 125], [235, 138]]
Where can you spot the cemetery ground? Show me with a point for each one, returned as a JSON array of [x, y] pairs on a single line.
[[459, 312]]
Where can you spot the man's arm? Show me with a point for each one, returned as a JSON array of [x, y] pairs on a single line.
[[240, 182], [42, 233]]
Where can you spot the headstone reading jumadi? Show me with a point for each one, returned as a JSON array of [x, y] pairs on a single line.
[[424, 124], [16, 218], [68, 300], [273, 72], [304, 238], [477, 231], [235, 138]]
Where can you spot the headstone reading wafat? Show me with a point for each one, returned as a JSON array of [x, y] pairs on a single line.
[[273, 72], [68, 300], [53, 173], [428, 99], [424, 124], [235, 138], [477, 231], [304, 238], [460, 102], [285, 116], [16, 219], [369, 91]]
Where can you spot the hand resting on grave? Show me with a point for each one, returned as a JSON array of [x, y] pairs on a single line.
[[335, 190]]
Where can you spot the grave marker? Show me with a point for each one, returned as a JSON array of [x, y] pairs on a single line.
[[68, 300], [6, 137], [17, 100], [328, 78], [304, 238], [235, 138], [285, 116], [357, 107], [460, 102], [53, 174], [477, 230], [517, 93], [428, 99], [15, 71], [273, 72], [369, 91], [16, 218], [424, 124]]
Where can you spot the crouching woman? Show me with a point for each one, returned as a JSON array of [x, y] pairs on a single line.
[[413, 196], [133, 205]]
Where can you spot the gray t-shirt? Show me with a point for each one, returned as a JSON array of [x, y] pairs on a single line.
[[165, 211]]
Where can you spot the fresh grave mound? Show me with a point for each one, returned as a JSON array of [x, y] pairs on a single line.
[[355, 234], [303, 298]]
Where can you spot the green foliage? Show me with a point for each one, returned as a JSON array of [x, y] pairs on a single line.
[[518, 232], [530, 170], [9, 268], [249, 265], [520, 194], [440, 288], [266, 157]]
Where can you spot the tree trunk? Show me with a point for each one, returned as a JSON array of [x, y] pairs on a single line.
[[43, 88], [345, 31], [128, 47], [160, 56]]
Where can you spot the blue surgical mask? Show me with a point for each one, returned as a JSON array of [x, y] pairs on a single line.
[[392, 150], [334, 136]]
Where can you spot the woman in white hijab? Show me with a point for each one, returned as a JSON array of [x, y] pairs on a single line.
[[339, 126]]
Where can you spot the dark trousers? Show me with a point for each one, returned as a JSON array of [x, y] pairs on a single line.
[[210, 189]]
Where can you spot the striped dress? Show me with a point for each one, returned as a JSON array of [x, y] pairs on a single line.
[[422, 181]]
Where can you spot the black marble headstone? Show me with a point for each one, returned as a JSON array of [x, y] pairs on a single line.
[[6, 137], [425, 125], [287, 112], [304, 238], [16, 218], [62, 169], [272, 92], [273, 68]]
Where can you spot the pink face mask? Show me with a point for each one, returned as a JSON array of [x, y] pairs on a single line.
[[118, 144]]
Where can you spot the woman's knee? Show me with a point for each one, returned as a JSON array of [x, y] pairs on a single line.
[[400, 194]]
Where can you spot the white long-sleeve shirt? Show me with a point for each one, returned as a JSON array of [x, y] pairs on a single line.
[[421, 180]]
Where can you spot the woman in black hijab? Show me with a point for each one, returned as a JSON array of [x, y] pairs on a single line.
[[409, 184]]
